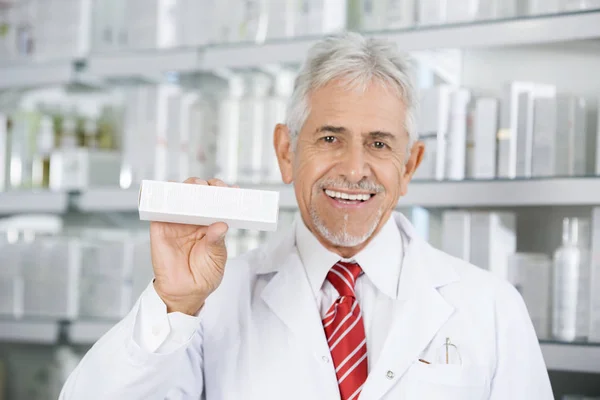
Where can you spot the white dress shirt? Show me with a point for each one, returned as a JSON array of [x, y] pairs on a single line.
[[376, 288]]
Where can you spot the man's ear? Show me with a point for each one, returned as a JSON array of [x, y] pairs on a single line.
[[283, 149], [413, 162]]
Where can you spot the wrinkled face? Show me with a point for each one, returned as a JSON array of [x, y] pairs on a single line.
[[349, 166]]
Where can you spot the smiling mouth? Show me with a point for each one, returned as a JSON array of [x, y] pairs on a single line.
[[348, 197]]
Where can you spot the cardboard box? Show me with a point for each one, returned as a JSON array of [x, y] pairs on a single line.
[[203, 205], [485, 126], [456, 234], [531, 275], [594, 331], [493, 240]]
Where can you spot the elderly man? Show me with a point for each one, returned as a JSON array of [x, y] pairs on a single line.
[[351, 303]]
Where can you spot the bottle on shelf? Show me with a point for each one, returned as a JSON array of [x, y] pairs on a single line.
[[570, 296]]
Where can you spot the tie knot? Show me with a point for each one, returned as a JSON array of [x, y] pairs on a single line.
[[343, 277]]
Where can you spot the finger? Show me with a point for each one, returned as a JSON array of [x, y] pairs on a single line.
[[217, 182], [196, 181]]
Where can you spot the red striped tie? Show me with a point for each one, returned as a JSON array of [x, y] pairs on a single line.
[[345, 332]]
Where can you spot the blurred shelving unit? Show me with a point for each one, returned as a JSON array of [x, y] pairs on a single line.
[[107, 200], [433, 194], [151, 64], [88, 332], [23, 331], [572, 357], [33, 202]]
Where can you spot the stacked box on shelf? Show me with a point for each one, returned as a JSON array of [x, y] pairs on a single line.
[[11, 280], [399, 14], [434, 124], [493, 240], [456, 233], [62, 28], [281, 16], [481, 151], [253, 129], [51, 271], [319, 17], [456, 144], [594, 333], [106, 287], [531, 274], [428, 223], [515, 136]]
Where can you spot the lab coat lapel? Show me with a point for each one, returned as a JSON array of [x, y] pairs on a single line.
[[289, 296], [419, 314]]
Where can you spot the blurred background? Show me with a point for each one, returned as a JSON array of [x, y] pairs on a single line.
[[96, 95]]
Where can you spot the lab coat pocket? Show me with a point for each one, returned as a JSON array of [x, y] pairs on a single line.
[[448, 382]]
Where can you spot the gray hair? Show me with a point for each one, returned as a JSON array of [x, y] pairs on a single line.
[[358, 60]]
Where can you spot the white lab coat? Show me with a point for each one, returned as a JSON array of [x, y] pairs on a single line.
[[260, 337]]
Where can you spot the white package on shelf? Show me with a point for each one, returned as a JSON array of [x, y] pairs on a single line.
[[204, 205], [51, 278], [11, 279], [462, 10], [106, 281], [281, 19], [4, 156], [456, 234], [399, 14], [497, 9], [428, 223], [531, 274], [545, 140], [484, 130], [318, 17], [493, 240], [142, 271], [63, 29], [572, 136], [434, 123], [80, 168], [456, 144], [594, 331], [598, 139], [153, 24], [253, 130], [538, 7], [275, 113], [229, 131], [432, 12], [515, 137]]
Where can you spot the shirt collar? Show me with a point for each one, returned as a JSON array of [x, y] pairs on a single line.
[[380, 260]]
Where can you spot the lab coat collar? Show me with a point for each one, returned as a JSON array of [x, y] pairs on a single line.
[[435, 271], [380, 260], [421, 310]]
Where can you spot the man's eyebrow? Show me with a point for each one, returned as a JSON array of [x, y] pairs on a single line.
[[332, 129], [381, 135]]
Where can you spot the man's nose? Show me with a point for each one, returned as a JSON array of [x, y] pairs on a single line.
[[354, 166]]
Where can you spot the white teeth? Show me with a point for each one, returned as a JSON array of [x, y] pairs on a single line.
[[346, 196]]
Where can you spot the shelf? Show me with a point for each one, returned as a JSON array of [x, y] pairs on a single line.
[[107, 200], [33, 74], [33, 202], [88, 332], [572, 357], [504, 193], [510, 32], [500, 193], [41, 332], [149, 64], [153, 64]]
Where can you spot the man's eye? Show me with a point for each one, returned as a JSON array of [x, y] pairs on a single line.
[[329, 139], [379, 145]]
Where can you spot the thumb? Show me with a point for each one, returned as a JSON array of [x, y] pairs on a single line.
[[215, 236]]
